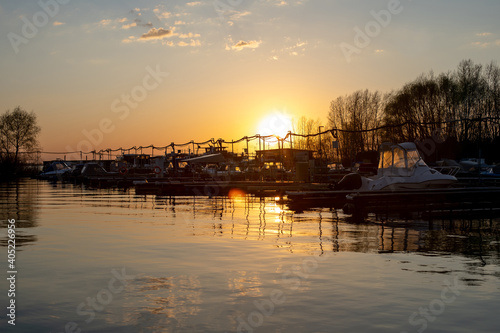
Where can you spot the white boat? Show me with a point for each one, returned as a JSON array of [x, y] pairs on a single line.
[[400, 168]]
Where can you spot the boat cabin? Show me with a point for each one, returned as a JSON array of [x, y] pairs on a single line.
[[399, 160]]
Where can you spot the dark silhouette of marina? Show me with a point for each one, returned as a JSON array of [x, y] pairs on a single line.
[[305, 178]]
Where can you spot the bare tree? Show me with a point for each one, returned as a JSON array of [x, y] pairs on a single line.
[[18, 132], [305, 126], [354, 114]]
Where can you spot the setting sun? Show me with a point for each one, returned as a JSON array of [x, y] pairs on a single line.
[[277, 123]]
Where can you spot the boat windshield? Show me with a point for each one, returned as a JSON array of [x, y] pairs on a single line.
[[413, 158], [399, 158], [385, 160], [398, 161]]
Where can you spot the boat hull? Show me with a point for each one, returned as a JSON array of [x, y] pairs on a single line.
[[435, 183]]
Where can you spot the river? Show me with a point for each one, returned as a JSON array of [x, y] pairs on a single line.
[[108, 260]]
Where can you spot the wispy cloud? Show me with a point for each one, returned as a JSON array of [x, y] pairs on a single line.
[[192, 42], [282, 3], [121, 23], [164, 36], [291, 48], [485, 45], [128, 26], [486, 40], [159, 33], [105, 22], [162, 14], [57, 23], [238, 15], [194, 3], [252, 44], [189, 35]]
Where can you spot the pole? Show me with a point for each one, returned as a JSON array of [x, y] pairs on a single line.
[[320, 148]]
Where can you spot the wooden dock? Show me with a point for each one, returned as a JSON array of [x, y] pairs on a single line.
[[429, 202], [215, 188]]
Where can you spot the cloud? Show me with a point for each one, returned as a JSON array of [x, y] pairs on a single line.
[[105, 23], [129, 39], [146, 25], [189, 35], [278, 3], [252, 44], [159, 33], [162, 15], [56, 23], [121, 23], [282, 3], [239, 15], [128, 26], [191, 43], [486, 40], [485, 45], [194, 3], [291, 48]]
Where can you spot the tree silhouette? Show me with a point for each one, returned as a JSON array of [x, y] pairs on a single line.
[[18, 132]]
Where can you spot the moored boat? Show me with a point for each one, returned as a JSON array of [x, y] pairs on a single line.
[[400, 168]]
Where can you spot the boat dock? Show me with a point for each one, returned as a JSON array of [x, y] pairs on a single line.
[[431, 203], [217, 188]]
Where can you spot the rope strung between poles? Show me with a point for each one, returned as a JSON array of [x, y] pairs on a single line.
[[333, 131]]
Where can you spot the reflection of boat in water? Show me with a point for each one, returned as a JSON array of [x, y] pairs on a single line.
[[400, 168]]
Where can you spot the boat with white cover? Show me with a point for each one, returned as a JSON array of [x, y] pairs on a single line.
[[400, 168]]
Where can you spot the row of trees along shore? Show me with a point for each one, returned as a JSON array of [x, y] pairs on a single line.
[[459, 110]]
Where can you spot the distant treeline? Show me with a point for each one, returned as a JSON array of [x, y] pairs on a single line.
[[459, 111]]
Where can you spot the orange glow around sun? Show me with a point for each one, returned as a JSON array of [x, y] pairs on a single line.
[[277, 123]]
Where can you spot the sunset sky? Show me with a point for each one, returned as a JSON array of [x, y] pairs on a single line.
[[156, 72]]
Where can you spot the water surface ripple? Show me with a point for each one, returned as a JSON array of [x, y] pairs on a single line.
[[113, 261]]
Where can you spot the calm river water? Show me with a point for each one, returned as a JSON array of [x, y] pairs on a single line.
[[91, 260]]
